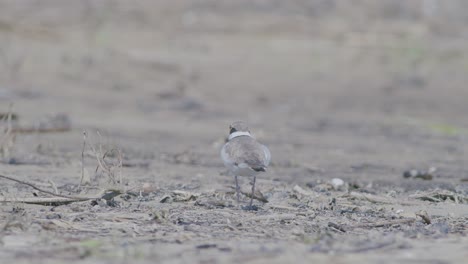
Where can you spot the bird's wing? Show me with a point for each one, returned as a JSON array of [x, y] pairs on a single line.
[[225, 156], [267, 155]]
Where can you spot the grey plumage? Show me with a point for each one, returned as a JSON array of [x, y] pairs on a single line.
[[243, 155]]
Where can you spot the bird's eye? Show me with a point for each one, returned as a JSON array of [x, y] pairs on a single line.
[[232, 130]]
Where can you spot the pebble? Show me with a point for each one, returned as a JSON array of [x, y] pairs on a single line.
[[337, 183], [425, 175]]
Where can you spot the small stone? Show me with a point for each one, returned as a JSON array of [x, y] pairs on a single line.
[[147, 188], [337, 183], [411, 173], [54, 216], [425, 217], [431, 170]]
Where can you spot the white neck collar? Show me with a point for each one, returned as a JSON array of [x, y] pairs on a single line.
[[238, 134]]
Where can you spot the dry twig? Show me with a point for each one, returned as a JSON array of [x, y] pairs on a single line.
[[375, 198], [7, 140], [58, 198], [108, 167], [385, 223], [82, 157]]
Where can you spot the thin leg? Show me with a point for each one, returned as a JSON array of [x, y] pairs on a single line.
[[253, 191], [237, 190]]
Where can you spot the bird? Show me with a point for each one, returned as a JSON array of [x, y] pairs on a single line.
[[244, 156]]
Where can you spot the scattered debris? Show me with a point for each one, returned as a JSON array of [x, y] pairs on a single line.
[[274, 217], [440, 196], [54, 216], [57, 199], [417, 174], [258, 195], [212, 203], [250, 207], [368, 197], [425, 217], [385, 223], [160, 216], [320, 186], [375, 198], [166, 199], [7, 137], [206, 246], [337, 227], [179, 196], [109, 161], [299, 190], [49, 201]]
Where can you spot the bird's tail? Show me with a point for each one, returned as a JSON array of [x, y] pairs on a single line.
[[259, 169]]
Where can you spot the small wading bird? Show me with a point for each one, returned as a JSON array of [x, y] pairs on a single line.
[[244, 156]]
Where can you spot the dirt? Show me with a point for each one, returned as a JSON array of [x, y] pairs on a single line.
[[362, 92]]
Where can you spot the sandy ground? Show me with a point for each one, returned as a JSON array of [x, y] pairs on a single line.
[[359, 92]]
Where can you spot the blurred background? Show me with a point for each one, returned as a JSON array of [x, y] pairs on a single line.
[[333, 83]]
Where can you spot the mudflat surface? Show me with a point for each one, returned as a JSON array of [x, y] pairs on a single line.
[[361, 92]]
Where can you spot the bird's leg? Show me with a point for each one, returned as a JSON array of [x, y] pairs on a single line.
[[237, 190], [253, 191]]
